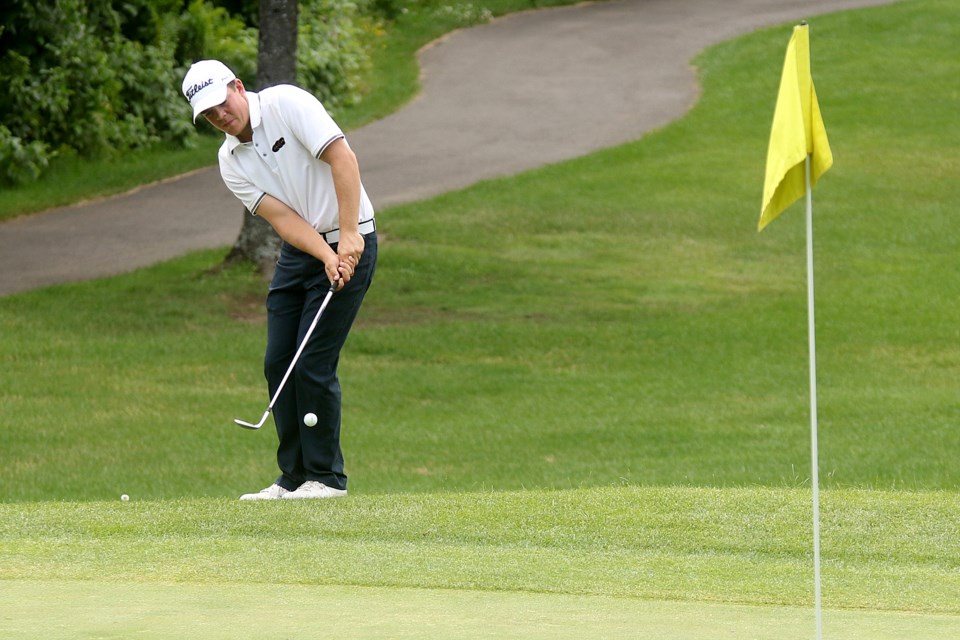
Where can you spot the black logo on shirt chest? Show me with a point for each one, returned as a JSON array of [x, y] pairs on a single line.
[[279, 144]]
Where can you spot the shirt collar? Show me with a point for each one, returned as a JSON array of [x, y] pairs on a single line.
[[253, 100]]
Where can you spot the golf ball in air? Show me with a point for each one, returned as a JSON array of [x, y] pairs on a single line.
[[124, 497], [310, 419]]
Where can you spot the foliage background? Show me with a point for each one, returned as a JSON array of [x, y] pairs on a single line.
[[97, 78]]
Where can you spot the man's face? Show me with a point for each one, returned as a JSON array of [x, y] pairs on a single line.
[[233, 114]]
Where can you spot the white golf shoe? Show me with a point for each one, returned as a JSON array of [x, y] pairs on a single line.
[[273, 492], [314, 489]]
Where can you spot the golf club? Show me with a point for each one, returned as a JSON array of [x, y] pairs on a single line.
[[296, 356]]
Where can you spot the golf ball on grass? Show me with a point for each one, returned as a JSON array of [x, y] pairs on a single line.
[[124, 497], [310, 419]]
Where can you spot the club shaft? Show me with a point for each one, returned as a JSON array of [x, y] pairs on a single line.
[[293, 363], [303, 343]]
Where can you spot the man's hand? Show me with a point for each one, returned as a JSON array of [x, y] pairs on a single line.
[[331, 267], [349, 250]]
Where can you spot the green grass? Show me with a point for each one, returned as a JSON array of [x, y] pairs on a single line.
[[203, 612], [72, 179], [658, 340], [617, 561], [648, 543], [586, 381]]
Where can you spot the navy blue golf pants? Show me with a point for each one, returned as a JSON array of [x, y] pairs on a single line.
[[298, 288]]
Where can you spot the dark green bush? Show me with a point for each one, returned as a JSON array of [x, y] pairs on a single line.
[[77, 83], [333, 49], [21, 161], [208, 31], [98, 77]]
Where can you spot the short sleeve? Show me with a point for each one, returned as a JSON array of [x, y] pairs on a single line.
[[239, 184]]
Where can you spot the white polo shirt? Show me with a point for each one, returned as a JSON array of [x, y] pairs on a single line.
[[290, 131]]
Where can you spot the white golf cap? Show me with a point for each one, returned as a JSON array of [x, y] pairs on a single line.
[[205, 85]]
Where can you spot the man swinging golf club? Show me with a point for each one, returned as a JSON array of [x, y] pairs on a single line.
[[288, 162]]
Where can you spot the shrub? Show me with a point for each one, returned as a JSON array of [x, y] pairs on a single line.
[[21, 161], [333, 49], [86, 77], [98, 77], [207, 31]]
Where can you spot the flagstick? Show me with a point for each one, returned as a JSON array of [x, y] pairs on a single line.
[[815, 473]]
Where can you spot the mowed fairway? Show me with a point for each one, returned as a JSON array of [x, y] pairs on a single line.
[[619, 562], [575, 403], [191, 612]]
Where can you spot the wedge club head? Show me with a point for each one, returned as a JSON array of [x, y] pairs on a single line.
[[250, 425]]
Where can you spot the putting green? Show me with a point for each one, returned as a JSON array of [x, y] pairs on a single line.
[[50, 610]]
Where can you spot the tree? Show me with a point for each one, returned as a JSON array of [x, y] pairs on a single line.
[[276, 64]]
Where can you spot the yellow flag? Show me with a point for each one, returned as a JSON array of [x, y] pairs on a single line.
[[797, 132]]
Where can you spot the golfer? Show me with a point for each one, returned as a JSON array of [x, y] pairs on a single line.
[[288, 162]]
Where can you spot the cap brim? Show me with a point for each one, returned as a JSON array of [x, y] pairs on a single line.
[[209, 97]]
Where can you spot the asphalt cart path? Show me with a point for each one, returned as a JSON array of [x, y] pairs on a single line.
[[522, 91]]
